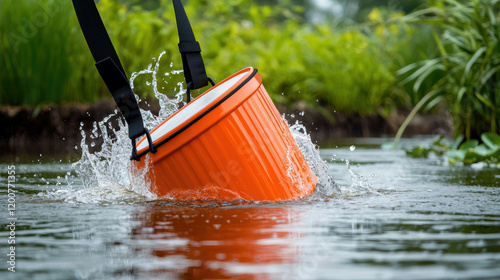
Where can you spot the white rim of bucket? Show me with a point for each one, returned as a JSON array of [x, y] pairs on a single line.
[[192, 109]]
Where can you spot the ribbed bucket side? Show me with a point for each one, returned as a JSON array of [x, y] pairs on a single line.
[[249, 154]]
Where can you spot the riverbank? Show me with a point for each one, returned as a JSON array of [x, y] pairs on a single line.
[[56, 129]]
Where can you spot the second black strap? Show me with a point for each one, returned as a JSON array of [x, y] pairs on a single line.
[[194, 68]]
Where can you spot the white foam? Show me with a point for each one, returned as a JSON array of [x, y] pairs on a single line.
[[191, 109]]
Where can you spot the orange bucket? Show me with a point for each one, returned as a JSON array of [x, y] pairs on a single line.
[[229, 143]]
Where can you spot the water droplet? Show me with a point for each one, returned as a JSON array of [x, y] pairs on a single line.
[[352, 148]]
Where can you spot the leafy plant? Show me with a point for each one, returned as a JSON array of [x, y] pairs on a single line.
[[468, 153], [467, 34], [346, 70]]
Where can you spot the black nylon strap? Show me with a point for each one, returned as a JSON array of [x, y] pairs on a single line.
[[192, 62], [108, 64], [111, 70], [123, 95]]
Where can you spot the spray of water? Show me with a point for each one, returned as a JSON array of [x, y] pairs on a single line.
[[106, 173], [110, 168], [326, 186], [359, 184]]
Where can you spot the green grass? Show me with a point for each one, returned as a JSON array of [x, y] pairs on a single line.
[[37, 60]]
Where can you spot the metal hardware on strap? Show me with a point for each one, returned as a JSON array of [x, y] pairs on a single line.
[[151, 148], [190, 87]]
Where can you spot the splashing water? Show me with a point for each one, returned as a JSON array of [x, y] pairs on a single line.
[[106, 173], [168, 106], [327, 187], [359, 184], [326, 184], [110, 167]]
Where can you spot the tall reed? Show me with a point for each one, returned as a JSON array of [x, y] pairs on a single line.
[[467, 34], [41, 54]]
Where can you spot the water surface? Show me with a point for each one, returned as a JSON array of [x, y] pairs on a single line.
[[397, 218]]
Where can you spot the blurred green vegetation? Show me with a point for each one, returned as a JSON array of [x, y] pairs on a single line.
[[467, 34], [468, 152], [45, 58], [42, 58], [377, 61]]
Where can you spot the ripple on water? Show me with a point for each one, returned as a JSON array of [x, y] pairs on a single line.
[[413, 220]]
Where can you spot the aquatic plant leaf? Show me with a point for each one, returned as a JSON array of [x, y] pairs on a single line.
[[418, 152], [479, 154], [456, 155], [469, 144], [472, 157], [468, 153], [492, 140], [456, 142]]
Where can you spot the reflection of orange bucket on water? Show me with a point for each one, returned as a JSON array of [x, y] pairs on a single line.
[[228, 143], [217, 243]]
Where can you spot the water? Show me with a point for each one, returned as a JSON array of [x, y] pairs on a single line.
[[415, 219], [376, 215]]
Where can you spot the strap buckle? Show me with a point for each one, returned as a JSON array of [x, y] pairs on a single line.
[[190, 87], [151, 149]]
